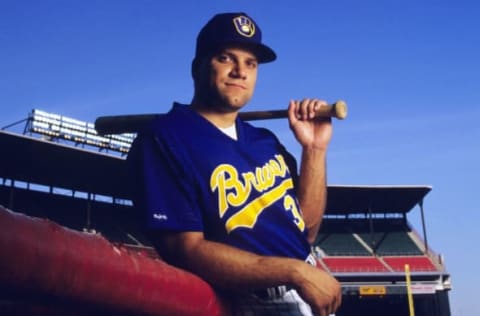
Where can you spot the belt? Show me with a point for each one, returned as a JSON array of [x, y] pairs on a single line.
[[279, 291]]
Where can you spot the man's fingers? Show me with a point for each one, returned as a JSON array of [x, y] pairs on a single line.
[[304, 104], [293, 110], [305, 109], [338, 300]]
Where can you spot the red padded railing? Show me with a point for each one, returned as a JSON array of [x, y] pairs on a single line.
[[44, 258]]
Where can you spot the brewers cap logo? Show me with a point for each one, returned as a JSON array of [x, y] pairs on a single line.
[[244, 26]]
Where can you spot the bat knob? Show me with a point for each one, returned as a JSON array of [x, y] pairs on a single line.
[[340, 110]]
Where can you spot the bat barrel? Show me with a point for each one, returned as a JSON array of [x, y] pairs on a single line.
[[119, 124]]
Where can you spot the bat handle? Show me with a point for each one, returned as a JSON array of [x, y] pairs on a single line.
[[337, 110]]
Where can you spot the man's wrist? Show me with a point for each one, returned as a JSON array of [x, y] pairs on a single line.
[[314, 153], [297, 274], [315, 148]]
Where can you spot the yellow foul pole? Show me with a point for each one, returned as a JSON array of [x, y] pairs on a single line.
[[409, 290]]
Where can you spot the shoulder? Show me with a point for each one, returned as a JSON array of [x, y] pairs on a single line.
[[173, 119], [161, 124], [169, 123]]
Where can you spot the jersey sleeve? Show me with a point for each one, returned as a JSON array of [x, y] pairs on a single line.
[[160, 186]]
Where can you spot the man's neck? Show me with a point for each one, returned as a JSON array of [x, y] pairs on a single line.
[[214, 115]]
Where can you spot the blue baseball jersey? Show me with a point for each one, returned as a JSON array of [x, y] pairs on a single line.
[[190, 176]]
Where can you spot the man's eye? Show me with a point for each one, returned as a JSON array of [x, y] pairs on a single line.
[[223, 58]]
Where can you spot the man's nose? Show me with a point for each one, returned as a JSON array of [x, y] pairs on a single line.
[[239, 71]]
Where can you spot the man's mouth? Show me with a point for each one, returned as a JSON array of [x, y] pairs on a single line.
[[236, 85]]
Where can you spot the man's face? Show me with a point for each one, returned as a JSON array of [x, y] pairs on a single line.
[[232, 78]]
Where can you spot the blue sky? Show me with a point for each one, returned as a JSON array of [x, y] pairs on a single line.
[[409, 71]]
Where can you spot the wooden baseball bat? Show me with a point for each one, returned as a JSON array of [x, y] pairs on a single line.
[[119, 124]]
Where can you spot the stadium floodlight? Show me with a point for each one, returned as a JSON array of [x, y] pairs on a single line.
[[70, 129], [39, 124], [73, 121]]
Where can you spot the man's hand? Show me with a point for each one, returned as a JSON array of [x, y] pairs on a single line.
[[319, 289], [310, 131]]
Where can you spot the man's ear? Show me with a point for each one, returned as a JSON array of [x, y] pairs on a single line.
[[195, 68], [200, 69]]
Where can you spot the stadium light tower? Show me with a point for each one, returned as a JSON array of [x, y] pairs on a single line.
[[58, 127]]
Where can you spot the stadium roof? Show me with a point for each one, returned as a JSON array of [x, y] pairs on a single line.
[[49, 163], [374, 199], [45, 162]]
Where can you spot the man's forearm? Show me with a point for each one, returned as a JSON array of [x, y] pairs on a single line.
[[312, 191], [231, 268]]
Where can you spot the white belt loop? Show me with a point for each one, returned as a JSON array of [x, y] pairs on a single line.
[[311, 260]]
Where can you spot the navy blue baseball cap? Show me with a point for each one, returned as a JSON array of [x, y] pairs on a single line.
[[233, 29]]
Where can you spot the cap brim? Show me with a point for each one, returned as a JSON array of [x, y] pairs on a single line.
[[263, 53]]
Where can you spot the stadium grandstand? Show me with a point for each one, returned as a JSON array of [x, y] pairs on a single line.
[[60, 169]]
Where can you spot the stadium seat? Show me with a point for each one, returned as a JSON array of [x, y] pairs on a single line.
[[398, 243], [354, 264], [342, 244], [416, 263]]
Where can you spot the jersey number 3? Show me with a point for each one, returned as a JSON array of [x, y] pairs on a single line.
[[291, 206]]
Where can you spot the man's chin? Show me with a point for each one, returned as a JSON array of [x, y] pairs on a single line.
[[226, 103], [233, 105]]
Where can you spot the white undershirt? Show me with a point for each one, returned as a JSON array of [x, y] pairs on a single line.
[[230, 131]]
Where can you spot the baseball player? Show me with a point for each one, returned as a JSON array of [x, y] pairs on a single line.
[[224, 199]]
